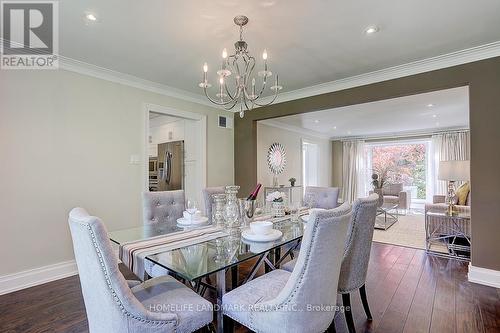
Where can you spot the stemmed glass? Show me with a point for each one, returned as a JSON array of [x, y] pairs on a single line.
[[191, 208]]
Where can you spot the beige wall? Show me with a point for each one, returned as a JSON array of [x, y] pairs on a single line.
[[267, 135], [65, 141], [337, 156]]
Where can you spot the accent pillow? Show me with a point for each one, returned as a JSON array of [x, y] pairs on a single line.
[[462, 193]]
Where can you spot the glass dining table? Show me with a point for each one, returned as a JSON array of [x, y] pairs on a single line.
[[194, 263]]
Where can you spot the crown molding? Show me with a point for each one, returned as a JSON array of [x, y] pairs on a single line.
[[84, 68], [295, 129], [477, 53]]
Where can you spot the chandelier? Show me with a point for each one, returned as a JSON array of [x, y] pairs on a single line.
[[240, 67]]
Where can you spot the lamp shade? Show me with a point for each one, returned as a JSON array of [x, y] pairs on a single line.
[[454, 170]]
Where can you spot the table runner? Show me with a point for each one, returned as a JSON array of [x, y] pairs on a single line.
[[134, 253]]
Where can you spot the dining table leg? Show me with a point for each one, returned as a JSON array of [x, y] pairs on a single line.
[[221, 290]]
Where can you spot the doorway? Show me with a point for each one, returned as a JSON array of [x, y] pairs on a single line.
[[175, 151]]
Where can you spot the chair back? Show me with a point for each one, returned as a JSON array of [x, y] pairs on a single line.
[[358, 245], [393, 189], [208, 199], [323, 197], [313, 281], [109, 302], [163, 207]]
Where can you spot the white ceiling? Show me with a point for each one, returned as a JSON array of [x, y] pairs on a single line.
[[309, 42], [398, 116]]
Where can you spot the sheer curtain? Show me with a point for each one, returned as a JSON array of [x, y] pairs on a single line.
[[446, 147], [353, 170]]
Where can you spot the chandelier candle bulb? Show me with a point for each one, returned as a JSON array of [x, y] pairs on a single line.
[[205, 67], [224, 54], [264, 54]]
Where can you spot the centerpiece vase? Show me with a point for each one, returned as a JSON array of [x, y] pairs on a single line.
[[232, 209], [277, 209], [219, 203]]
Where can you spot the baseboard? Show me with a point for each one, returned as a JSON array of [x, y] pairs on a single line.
[[488, 277], [36, 276]]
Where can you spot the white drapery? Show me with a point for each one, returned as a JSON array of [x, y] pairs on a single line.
[[451, 146], [353, 170]]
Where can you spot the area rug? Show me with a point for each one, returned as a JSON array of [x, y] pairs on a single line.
[[408, 231]]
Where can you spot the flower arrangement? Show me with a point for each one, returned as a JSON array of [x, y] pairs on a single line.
[[276, 196], [380, 177], [292, 181]]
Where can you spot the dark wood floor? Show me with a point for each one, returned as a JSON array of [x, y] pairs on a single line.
[[408, 291]]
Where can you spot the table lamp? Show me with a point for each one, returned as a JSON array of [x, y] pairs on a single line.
[[452, 171]]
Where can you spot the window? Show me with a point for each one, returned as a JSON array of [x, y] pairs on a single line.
[[310, 163], [404, 162]]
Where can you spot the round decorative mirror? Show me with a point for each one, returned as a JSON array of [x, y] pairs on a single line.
[[276, 158]]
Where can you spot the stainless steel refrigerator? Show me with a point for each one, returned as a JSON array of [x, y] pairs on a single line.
[[171, 166]]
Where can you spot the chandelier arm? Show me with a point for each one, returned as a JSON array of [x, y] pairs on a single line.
[[269, 103], [213, 101], [231, 106]]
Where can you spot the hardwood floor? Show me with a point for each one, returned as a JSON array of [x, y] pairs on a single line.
[[407, 290]]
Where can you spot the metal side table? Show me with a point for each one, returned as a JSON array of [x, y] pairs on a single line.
[[387, 215]]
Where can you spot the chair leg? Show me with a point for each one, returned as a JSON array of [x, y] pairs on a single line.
[[362, 293], [331, 328], [228, 325], [346, 301]]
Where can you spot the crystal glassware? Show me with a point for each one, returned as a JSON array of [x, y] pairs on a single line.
[[191, 208], [232, 209], [219, 203]]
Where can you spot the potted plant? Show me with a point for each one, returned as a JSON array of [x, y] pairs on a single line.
[[277, 200], [292, 181], [379, 180]]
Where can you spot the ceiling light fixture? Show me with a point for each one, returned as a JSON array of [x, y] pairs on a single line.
[[371, 30], [244, 91], [91, 17], [430, 105], [334, 127], [434, 116], [316, 121]]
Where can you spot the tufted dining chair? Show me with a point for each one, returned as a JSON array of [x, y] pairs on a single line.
[[208, 199], [280, 301], [115, 305], [163, 207], [356, 255], [323, 197]]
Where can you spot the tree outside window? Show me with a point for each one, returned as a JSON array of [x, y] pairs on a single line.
[[404, 163]]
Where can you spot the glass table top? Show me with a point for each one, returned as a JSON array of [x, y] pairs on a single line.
[[442, 213], [198, 260]]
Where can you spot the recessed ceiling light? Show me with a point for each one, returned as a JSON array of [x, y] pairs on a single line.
[[430, 105], [437, 123], [316, 121], [434, 116], [334, 127], [91, 17], [348, 132], [371, 30]]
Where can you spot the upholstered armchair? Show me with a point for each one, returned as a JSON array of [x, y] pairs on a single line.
[[356, 255], [323, 197], [278, 301], [161, 207], [115, 305], [208, 199], [394, 194]]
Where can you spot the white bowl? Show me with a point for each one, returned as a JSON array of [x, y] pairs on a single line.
[[261, 227]]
